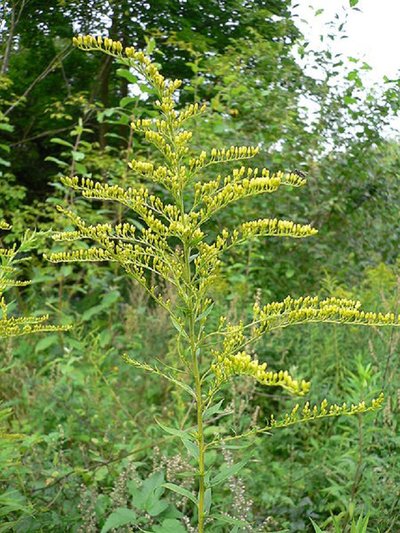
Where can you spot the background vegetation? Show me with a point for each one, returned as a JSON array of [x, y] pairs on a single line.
[[89, 440]]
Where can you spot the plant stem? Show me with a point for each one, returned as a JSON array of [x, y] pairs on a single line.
[[200, 431], [198, 390]]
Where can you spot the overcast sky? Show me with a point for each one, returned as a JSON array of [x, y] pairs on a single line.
[[373, 31]]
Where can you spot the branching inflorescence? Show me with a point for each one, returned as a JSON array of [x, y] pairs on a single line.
[[148, 252], [12, 326]]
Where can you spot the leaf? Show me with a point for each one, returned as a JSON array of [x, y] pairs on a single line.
[[77, 156], [154, 506], [57, 140], [353, 3], [230, 520], [316, 527], [181, 491], [205, 313], [120, 517], [57, 161], [191, 447], [207, 500], [126, 100], [170, 525], [134, 362], [227, 472], [178, 327], [151, 44], [110, 298], [6, 127], [46, 342], [173, 431], [127, 74], [214, 409]]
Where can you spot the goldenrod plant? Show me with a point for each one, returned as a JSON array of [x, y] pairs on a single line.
[[10, 325], [170, 245], [15, 326]]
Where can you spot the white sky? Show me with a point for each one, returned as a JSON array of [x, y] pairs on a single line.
[[373, 31]]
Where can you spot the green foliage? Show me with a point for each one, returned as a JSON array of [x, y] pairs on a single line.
[[88, 424], [192, 266]]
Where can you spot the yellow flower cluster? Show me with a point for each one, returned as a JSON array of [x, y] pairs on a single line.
[[234, 153], [89, 255], [11, 326], [139, 199], [324, 410], [267, 227], [311, 309], [242, 364], [242, 183]]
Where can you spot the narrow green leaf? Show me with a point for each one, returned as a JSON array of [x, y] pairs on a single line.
[[178, 327], [213, 410], [181, 491], [230, 520], [227, 472], [57, 161], [316, 527], [57, 140], [205, 313], [184, 435], [191, 447], [207, 500]]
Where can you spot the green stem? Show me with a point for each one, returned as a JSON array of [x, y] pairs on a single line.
[[198, 391], [200, 429]]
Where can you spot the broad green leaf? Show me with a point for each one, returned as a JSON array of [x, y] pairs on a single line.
[[170, 525], [181, 491], [110, 298], [120, 517], [127, 100], [127, 74], [6, 127], [46, 342], [154, 506], [77, 156]]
